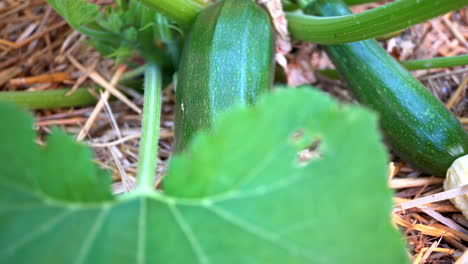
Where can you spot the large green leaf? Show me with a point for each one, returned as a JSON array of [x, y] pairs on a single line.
[[239, 195]]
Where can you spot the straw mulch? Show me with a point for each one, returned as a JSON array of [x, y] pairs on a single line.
[[36, 42]]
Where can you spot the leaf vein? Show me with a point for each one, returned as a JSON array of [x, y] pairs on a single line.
[[49, 224], [258, 232], [91, 237], [192, 239], [261, 190], [141, 232]]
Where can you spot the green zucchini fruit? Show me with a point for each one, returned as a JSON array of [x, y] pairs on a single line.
[[227, 60], [419, 128]]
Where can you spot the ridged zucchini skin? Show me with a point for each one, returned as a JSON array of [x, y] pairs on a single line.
[[227, 60], [419, 128]]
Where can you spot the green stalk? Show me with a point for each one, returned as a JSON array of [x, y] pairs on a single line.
[[368, 24], [133, 73], [94, 31], [411, 65], [181, 11], [50, 98], [358, 2], [441, 62], [150, 129], [332, 30], [58, 98]]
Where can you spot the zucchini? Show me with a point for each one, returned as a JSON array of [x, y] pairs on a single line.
[[419, 128], [227, 60]]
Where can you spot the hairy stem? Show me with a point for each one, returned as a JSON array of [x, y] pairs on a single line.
[[150, 129]]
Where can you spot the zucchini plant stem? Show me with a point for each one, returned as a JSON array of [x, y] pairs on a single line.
[[181, 11], [440, 62], [133, 73], [150, 129], [57, 98], [411, 65]]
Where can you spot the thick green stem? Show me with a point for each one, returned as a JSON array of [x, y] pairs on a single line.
[[50, 98], [432, 63], [330, 30], [150, 129], [368, 24]]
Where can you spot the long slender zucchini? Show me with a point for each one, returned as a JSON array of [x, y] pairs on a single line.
[[416, 124], [227, 60]]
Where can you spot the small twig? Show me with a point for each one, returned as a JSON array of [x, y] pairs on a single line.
[[27, 32], [444, 220], [425, 229], [429, 251], [112, 120], [426, 251], [123, 174], [416, 182], [458, 234], [43, 78], [9, 73], [432, 198], [114, 143], [455, 243], [443, 74], [102, 82], [455, 96], [68, 121], [7, 43], [39, 34], [14, 10], [83, 77], [455, 31], [99, 105], [438, 207]]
